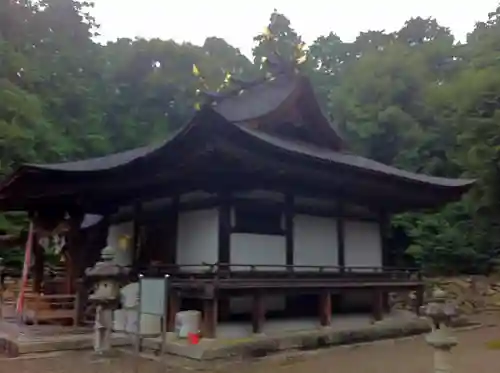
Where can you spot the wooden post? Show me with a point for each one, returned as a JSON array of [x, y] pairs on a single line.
[[224, 249], [69, 270], [325, 308], [210, 317], [386, 307], [289, 202], [136, 240], [377, 306], [74, 263], [385, 227], [340, 237], [38, 267], [80, 301], [258, 312], [174, 306], [289, 242], [224, 308], [173, 222], [419, 300]]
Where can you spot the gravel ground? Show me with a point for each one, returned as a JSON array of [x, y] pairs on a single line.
[[410, 355]]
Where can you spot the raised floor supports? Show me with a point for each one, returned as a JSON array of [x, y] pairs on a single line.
[[325, 308], [258, 312], [378, 305], [174, 306], [210, 317]]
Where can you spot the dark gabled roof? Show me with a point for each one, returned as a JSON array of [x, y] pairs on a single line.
[[231, 115]]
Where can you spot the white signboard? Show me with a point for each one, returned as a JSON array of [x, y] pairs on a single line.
[[153, 294]]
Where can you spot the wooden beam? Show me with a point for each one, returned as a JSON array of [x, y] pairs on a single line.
[[289, 229], [340, 237], [224, 249], [258, 312], [325, 308]]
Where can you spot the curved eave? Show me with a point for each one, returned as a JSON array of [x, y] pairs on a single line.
[[353, 162], [94, 167]]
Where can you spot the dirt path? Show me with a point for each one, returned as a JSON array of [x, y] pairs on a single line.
[[398, 356]]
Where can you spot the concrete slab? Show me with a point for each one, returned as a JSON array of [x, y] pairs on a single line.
[[234, 339], [306, 339], [13, 347]]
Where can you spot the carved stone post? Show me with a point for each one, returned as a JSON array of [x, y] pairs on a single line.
[[440, 313]]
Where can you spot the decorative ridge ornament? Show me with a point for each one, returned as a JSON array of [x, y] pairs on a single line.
[[272, 62]]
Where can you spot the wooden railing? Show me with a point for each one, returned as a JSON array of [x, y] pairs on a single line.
[[38, 307], [227, 271], [51, 308]]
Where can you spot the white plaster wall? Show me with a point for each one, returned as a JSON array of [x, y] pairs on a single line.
[[257, 249], [247, 248], [315, 241], [198, 238], [363, 245], [123, 256]]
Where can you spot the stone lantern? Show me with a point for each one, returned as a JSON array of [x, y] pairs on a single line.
[[441, 312], [107, 278]]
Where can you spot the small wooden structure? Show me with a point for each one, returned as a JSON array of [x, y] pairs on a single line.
[[257, 197]]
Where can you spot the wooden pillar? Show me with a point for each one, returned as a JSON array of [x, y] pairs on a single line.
[[377, 305], [224, 249], [38, 265], [210, 317], [69, 271], [74, 262], [173, 223], [385, 227], [224, 308], [289, 214], [258, 312], [386, 307], [325, 308], [80, 301], [136, 239], [174, 306], [340, 237], [419, 299]]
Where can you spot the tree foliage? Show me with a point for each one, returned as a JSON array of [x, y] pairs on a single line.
[[414, 98]]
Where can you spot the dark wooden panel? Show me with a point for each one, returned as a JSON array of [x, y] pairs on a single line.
[[340, 237], [289, 229], [224, 249]]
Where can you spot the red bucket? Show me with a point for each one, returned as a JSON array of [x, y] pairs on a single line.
[[193, 338]]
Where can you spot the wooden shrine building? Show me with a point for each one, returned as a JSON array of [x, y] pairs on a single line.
[[252, 204]]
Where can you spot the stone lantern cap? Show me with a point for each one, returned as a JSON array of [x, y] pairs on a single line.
[[439, 309], [106, 268]]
